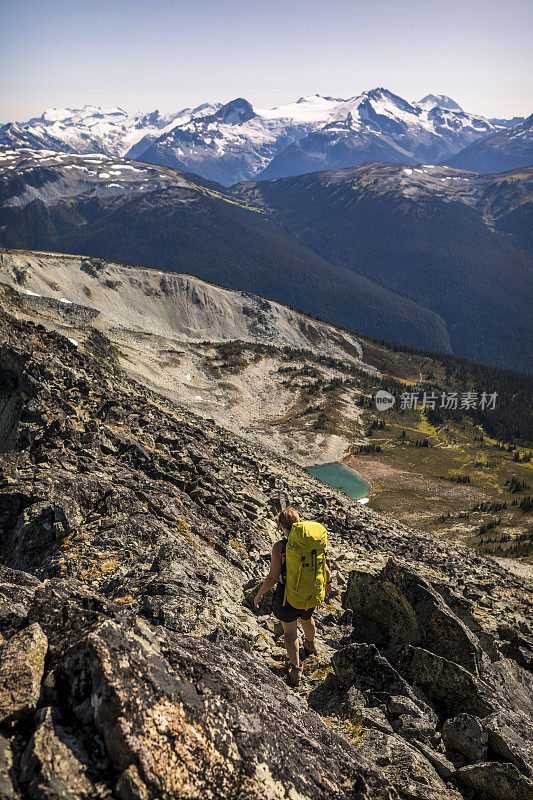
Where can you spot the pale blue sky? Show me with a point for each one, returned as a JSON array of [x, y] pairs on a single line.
[[167, 54]]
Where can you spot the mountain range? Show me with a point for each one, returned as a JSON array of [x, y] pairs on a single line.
[[237, 141], [429, 256]]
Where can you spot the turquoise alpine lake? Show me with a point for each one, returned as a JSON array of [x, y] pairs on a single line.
[[341, 477]]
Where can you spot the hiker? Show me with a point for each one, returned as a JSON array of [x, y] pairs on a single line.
[[298, 563]]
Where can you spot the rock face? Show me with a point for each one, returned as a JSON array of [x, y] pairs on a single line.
[[495, 781], [132, 538], [21, 672], [168, 715], [456, 696], [467, 735]]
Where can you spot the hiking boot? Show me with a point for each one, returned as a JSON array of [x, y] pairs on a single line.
[[310, 647], [294, 676]]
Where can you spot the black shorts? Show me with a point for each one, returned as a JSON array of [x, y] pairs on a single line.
[[287, 613]]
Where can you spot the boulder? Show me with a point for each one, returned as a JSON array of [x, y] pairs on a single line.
[[375, 718], [54, 764], [494, 781], [449, 686], [7, 790], [466, 735], [438, 761], [361, 666], [21, 672], [399, 705], [416, 728], [406, 609], [406, 767], [510, 737]]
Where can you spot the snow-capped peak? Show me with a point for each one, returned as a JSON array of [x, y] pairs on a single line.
[[74, 115], [310, 108], [235, 112], [441, 100]]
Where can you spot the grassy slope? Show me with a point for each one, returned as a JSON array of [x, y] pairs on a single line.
[[420, 484]]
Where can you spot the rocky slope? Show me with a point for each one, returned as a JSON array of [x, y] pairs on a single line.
[[170, 305], [298, 386], [224, 354], [132, 537]]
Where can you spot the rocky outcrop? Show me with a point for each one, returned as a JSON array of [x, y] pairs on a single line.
[[132, 537], [165, 715], [510, 737], [404, 608], [466, 734], [451, 687], [21, 672], [495, 781], [11, 395], [443, 685]]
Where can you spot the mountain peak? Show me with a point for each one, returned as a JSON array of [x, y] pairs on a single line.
[[235, 112], [382, 94], [440, 100]]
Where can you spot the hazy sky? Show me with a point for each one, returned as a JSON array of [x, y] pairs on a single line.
[[167, 54]]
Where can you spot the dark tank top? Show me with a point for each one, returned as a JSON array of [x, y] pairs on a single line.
[[283, 573]]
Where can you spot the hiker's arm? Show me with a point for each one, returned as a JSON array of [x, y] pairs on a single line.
[[273, 575]]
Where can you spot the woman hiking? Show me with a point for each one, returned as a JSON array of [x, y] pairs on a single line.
[[298, 564]]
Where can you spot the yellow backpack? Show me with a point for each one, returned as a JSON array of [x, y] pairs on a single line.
[[305, 558]]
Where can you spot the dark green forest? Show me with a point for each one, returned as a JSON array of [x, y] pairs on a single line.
[[441, 255]]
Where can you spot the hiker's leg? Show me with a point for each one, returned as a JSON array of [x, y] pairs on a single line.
[[290, 636], [309, 629]]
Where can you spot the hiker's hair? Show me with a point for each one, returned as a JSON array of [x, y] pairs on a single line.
[[288, 517]]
